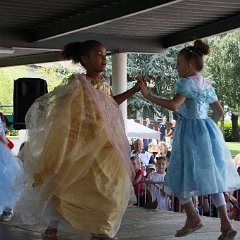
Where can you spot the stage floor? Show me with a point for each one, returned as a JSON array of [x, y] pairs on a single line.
[[137, 224]]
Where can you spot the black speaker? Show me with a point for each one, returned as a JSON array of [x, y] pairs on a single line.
[[26, 90]]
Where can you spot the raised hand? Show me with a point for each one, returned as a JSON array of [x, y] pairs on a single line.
[[137, 86], [144, 90]]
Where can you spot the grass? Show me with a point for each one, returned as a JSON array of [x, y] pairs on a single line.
[[234, 148]]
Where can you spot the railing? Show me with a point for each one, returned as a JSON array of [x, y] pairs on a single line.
[[202, 204]]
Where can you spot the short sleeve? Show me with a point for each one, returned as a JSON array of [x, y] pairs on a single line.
[[196, 88], [211, 95], [184, 87]]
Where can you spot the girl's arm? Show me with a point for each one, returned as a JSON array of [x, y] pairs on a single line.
[[166, 131], [125, 95], [217, 111], [120, 98], [172, 104], [170, 132]]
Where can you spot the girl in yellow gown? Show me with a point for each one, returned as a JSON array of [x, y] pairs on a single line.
[[77, 155]]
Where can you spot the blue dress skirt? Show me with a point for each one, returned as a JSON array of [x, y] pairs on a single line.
[[200, 161], [10, 178]]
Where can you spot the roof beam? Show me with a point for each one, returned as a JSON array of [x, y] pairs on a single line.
[[27, 59], [98, 17], [42, 52], [206, 30]]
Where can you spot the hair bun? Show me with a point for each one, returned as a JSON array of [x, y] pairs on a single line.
[[201, 47], [71, 52]]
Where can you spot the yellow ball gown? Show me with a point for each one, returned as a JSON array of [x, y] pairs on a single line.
[[77, 159]]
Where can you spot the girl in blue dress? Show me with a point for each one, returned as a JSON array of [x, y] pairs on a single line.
[[200, 162]]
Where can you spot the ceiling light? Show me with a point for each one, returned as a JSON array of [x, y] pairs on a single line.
[[6, 51]]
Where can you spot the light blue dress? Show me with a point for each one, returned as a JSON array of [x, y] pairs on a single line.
[[11, 175], [200, 161]]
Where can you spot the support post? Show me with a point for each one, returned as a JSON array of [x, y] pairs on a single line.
[[119, 79]]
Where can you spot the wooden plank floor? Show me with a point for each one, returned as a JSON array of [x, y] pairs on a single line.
[[137, 224]]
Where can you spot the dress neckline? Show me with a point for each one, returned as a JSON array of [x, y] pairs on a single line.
[[95, 81]]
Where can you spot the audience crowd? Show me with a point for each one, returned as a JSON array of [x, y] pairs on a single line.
[[150, 159]]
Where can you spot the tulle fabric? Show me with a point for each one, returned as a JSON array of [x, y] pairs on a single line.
[[76, 160], [11, 176], [200, 161]]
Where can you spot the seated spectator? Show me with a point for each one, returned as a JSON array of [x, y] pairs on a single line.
[[235, 205], [149, 169], [144, 156], [235, 196], [157, 190], [163, 150], [237, 162], [137, 182]]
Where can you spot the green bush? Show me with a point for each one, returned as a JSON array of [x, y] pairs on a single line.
[[228, 131], [12, 133]]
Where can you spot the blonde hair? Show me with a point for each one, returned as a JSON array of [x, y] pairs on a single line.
[[162, 143], [237, 160]]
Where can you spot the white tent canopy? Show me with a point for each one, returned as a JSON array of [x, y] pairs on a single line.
[[136, 130]]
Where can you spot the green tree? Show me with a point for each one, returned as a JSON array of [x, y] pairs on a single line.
[[222, 68], [136, 66], [55, 73], [161, 75]]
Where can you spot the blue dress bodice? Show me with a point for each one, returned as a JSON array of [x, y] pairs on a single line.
[[199, 94], [191, 109]]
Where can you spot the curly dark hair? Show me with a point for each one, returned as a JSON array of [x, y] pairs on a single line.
[[74, 51]]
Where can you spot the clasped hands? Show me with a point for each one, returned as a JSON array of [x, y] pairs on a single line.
[[141, 85]]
